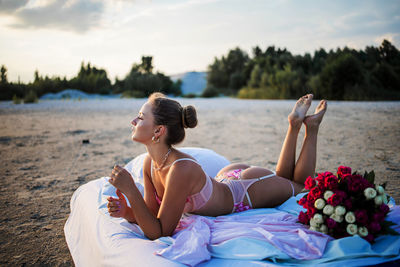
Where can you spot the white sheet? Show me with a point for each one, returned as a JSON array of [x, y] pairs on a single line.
[[96, 239]]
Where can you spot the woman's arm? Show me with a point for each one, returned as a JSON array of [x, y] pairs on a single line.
[[149, 197], [118, 207], [179, 184], [177, 188]]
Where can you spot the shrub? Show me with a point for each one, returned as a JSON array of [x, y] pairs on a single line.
[[30, 97], [210, 92], [16, 99], [191, 95]]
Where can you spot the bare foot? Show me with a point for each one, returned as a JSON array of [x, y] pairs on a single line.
[[299, 111], [315, 119]]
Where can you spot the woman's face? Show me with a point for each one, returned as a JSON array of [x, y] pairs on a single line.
[[143, 125]]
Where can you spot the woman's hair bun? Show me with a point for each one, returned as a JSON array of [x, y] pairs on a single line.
[[189, 118]]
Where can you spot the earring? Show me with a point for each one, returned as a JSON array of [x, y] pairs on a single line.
[[155, 140]]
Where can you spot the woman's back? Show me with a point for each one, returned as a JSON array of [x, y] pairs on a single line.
[[207, 196]]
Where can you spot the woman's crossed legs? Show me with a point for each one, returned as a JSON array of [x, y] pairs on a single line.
[[290, 176]]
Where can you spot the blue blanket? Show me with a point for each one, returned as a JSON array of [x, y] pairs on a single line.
[[351, 251]]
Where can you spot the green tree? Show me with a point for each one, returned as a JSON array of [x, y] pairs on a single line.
[[340, 76], [255, 77], [147, 65], [3, 77], [141, 82], [90, 79], [227, 75]]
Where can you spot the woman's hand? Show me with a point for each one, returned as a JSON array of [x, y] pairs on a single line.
[[117, 207], [121, 179]]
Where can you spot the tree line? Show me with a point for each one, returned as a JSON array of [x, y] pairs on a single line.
[[343, 74], [139, 82]]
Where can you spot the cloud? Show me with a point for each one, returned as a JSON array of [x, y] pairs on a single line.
[[71, 15], [190, 3], [10, 6]]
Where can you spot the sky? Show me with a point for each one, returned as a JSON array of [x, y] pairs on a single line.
[[56, 36]]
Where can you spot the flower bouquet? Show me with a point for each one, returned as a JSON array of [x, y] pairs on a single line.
[[346, 204]]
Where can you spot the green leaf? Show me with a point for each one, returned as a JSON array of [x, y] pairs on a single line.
[[387, 223], [386, 228], [384, 185], [370, 176], [390, 231]]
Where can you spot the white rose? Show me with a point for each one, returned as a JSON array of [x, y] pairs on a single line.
[[336, 218], [378, 200], [313, 223], [350, 217], [369, 193], [328, 194], [318, 218], [319, 203], [323, 229], [363, 231], [328, 210], [312, 228], [380, 189], [351, 229], [340, 210]]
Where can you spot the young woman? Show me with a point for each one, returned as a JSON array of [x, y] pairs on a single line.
[[175, 183]]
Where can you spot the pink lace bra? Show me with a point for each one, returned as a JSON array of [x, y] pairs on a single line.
[[196, 201]]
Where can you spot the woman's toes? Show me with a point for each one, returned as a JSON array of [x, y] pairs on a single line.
[[321, 106], [316, 118]]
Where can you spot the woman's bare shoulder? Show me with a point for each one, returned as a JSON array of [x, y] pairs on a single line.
[[183, 155], [186, 171]]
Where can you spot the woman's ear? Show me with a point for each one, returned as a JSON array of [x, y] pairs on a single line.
[[160, 130]]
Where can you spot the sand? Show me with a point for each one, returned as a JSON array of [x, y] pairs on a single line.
[[44, 159]]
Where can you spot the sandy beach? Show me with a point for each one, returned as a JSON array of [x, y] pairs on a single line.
[[44, 158]]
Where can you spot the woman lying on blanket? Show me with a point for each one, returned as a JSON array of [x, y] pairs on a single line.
[[174, 183]]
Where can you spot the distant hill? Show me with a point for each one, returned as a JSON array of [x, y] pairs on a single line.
[[192, 82]]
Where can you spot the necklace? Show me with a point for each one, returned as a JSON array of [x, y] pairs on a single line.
[[163, 163]]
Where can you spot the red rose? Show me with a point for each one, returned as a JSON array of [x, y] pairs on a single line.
[[384, 208], [361, 217], [341, 194], [310, 183], [311, 212], [342, 170], [320, 178], [348, 204], [331, 223], [331, 182], [346, 176], [379, 217], [317, 193], [303, 218], [366, 184], [310, 198], [374, 227], [302, 201], [321, 187], [335, 200], [355, 183]]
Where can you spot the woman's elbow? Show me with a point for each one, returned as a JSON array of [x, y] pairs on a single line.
[[157, 234], [154, 236]]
